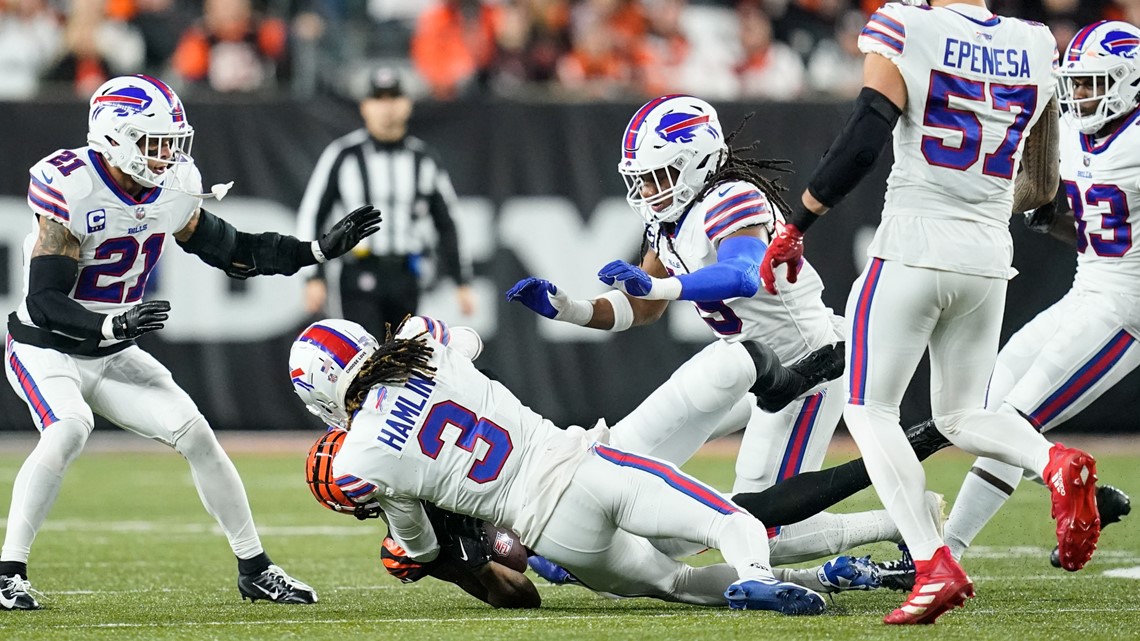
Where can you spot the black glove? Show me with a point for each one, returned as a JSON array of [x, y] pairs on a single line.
[[348, 231], [460, 537], [1042, 219], [140, 319]]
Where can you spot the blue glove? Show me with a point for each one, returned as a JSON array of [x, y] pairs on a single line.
[[628, 278], [536, 293]]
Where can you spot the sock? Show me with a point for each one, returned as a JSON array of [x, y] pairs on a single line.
[[797, 498], [743, 542], [37, 485], [806, 577], [986, 488], [220, 488], [829, 534], [897, 475], [254, 565], [12, 568], [1003, 435]]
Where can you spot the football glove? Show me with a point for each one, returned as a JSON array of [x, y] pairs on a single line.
[[348, 232], [627, 278], [397, 562], [1042, 219], [542, 297], [140, 319], [787, 248], [460, 537]]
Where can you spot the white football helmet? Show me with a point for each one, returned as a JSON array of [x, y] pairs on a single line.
[[323, 362], [679, 132], [1105, 52], [134, 119]]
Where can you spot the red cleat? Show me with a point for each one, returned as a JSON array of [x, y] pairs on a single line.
[[940, 585], [1071, 477]]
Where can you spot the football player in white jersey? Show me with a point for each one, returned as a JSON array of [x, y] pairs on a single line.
[[426, 425], [708, 215], [102, 217], [960, 87], [1085, 343]]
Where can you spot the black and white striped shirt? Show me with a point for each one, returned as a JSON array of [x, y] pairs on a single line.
[[403, 180]]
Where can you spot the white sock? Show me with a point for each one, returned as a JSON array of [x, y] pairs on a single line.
[[827, 534], [743, 542], [985, 489], [220, 488], [898, 477], [806, 577], [1002, 435], [37, 485]]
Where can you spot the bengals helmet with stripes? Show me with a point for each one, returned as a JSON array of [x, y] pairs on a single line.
[[318, 473]]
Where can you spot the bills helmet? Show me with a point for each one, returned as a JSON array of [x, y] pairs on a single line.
[[347, 494], [136, 119], [1106, 53], [323, 362], [679, 133]]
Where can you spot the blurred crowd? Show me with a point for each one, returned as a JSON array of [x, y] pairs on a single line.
[[456, 49]]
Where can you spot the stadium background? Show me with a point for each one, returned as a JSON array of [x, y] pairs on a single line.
[[534, 164]]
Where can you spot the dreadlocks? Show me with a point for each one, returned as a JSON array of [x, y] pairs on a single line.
[[393, 364], [735, 166]]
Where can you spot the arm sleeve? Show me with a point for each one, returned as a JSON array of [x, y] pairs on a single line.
[[441, 205], [49, 302], [735, 274], [409, 526]]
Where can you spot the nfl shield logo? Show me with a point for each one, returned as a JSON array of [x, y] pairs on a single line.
[[1087, 161], [140, 212], [503, 543]]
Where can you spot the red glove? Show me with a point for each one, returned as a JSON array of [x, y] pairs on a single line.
[[787, 248]]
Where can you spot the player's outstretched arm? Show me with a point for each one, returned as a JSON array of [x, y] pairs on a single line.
[[849, 159], [242, 255], [52, 273], [615, 311]]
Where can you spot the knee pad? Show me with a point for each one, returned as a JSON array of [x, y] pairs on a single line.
[[196, 438], [61, 442]]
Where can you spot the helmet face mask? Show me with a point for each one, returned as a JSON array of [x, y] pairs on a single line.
[[1099, 79], [139, 125], [324, 361], [675, 142]]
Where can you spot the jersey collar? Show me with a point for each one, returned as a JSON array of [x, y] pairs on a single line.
[[1089, 145], [100, 164]]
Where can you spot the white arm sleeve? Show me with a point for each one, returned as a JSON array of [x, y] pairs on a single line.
[[409, 526]]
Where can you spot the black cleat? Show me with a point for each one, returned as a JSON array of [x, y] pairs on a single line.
[[925, 439], [276, 586], [16, 593], [822, 365], [897, 575], [1112, 504]]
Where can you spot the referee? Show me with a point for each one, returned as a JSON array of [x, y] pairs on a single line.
[[379, 281]]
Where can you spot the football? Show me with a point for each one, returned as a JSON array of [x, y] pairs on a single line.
[[506, 548]]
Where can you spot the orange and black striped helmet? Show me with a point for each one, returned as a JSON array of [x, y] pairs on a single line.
[[336, 494]]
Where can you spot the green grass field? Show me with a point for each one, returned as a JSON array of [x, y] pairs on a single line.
[[129, 553]]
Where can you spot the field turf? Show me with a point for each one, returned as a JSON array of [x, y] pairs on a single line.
[[129, 553]]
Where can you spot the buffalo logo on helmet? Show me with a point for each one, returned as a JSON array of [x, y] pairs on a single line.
[[124, 101], [682, 127], [1120, 43]]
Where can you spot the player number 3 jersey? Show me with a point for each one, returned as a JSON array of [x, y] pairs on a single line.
[[976, 84]]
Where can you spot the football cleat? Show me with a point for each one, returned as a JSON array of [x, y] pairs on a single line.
[[824, 364], [772, 594], [1112, 504], [16, 593], [849, 573], [897, 575], [276, 586], [925, 439], [551, 571], [1071, 478], [940, 586]]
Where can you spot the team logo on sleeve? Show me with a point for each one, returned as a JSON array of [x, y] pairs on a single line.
[[1120, 43], [96, 220]]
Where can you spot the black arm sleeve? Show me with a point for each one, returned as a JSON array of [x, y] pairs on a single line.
[[856, 149], [241, 255], [50, 279]]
